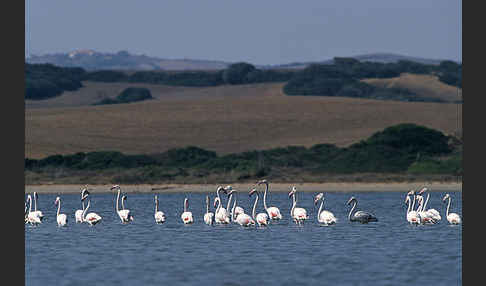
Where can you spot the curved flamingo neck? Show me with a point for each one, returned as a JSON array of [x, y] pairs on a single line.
[[265, 196], [185, 205], [58, 207], [219, 205], [233, 211], [294, 202], [320, 208], [413, 203], [228, 205], [86, 209], [156, 205], [352, 209], [253, 213], [409, 204]]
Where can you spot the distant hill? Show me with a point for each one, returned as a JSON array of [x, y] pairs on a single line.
[[375, 57], [122, 60]]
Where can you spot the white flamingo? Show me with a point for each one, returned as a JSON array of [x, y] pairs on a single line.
[[425, 217], [186, 216], [221, 214], [325, 217], [158, 215], [452, 218], [61, 218], [273, 212], [433, 213], [412, 215], [124, 214], [32, 218], [298, 214], [242, 218], [238, 210], [36, 212], [78, 214], [92, 218], [208, 216], [260, 218], [360, 216]]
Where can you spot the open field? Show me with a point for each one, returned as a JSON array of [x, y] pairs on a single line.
[[424, 86], [274, 187], [224, 119]]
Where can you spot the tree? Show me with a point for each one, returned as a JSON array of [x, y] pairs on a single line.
[[237, 73]]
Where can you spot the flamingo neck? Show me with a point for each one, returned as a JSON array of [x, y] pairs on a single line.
[[254, 206], [207, 205], [420, 207], [409, 204], [86, 209], [123, 206], [265, 196], [219, 205], [156, 205], [413, 203], [58, 207], [30, 204], [233, 211], [185, 205], [117, 199], [35, 202], [352, 209], [448, 205], [229, 201], [426, 201], [320, 208], [294, 202]]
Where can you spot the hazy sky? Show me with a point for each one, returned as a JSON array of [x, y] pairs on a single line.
[[259, 32]]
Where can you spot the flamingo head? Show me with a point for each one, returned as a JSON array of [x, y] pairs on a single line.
[[252, 192], [220, 188], [423, 190], [352, 199], [57, 200], [318, 197], [292, 191], [36, 196], [411, 192], [262, 182], [420, 199], [445, 197], [156, 198], [407, 199], [216, 199], [230, 192], [186, 203], [115, 187]]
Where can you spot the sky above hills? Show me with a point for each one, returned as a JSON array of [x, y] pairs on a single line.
[[259, 32]]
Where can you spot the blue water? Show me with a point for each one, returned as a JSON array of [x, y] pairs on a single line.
[[388, 252]]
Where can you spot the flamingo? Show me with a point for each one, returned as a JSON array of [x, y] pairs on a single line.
[[158, 215], [261, 218], [91, 218], [124, 214], [433, 213], [208, 216], [412, 216], [237, 209], [324, 217], [298, 214], [242, 218], [452, 218], [221, 214], [360, 216], [25, 212], [36, 212], [273, 212], [32, 218], [186, 216], [425, 217], [78, 214], [61, 218]]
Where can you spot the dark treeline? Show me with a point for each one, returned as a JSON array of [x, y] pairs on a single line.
[[130, 94], [342, 78], [397, 149]]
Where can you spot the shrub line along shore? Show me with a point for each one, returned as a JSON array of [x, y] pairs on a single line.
[[245, 187]]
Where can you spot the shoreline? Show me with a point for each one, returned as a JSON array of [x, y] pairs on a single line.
[[245, 187]]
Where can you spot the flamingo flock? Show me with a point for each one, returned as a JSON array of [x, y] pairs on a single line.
[[416, 212]]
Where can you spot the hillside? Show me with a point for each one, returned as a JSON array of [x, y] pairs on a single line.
[[122, 60], [225, 119]]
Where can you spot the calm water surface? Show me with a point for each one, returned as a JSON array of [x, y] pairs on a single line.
[[388, 252]]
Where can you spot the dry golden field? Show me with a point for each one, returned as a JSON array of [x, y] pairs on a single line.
[[224, 119], [421, 85]]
